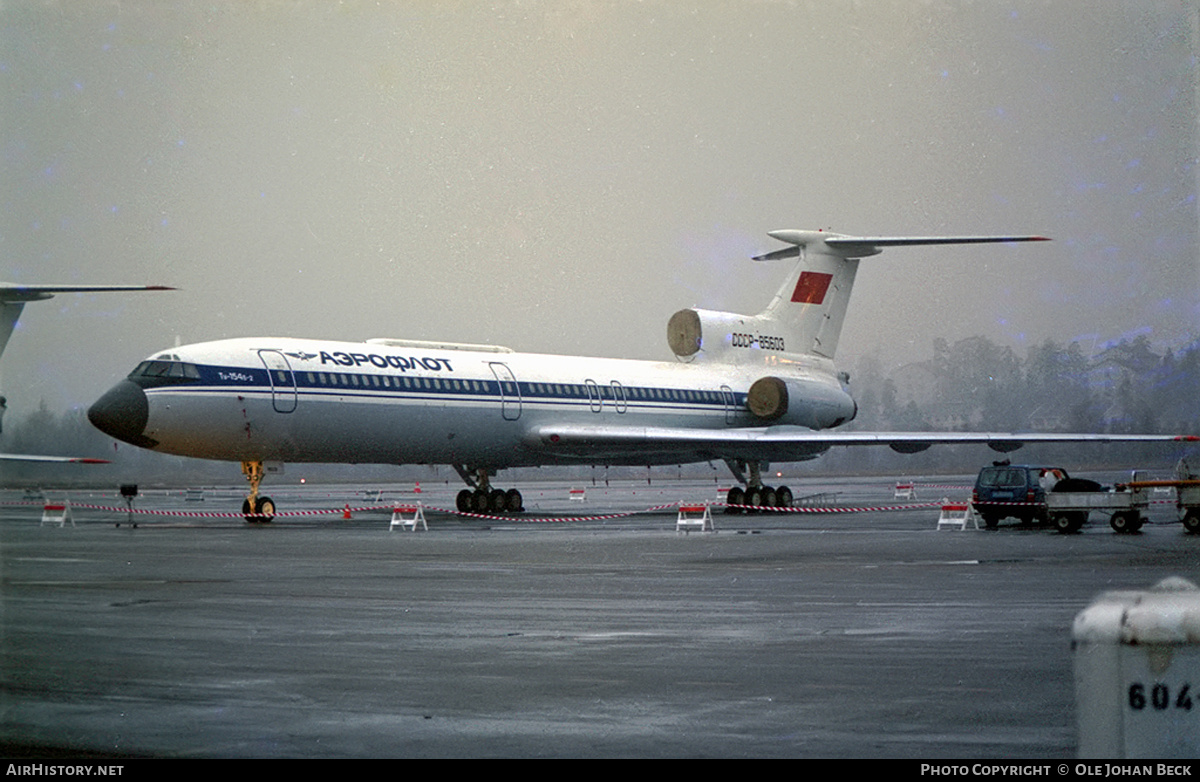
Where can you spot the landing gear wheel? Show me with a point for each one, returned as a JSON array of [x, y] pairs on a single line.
[[463, 501], [262, 512], [1126, 522], [754, 498], [479, 501], [783, 497], [496, 501], [770, 498], [735, 497], [1191, 522], [513, 502]]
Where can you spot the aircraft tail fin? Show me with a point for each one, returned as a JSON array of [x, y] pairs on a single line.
[[14, 296], [10, 311], [810, 307], [807, 313]]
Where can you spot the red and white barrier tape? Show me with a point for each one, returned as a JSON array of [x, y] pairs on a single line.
[[389, 509]]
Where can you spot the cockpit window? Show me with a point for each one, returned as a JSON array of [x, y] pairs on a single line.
[[170, 371]]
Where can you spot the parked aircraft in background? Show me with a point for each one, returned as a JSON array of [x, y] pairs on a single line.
[[747, 390], [13, 298]]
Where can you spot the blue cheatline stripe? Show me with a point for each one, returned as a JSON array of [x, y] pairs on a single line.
[[423, 387], [265, 392]]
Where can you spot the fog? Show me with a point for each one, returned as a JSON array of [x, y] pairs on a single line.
[[563, 176]]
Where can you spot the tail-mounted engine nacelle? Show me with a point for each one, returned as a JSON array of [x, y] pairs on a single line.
[[812, 404], [691, 331]]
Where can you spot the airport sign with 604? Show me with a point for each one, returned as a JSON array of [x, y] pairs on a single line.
[[1159, 697], [1161, 712]]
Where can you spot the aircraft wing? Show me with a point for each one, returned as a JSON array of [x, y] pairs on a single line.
[[11, 291], [25, 457], [786, 443]]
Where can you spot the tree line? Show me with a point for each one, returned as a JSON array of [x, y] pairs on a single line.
[[976, 384]]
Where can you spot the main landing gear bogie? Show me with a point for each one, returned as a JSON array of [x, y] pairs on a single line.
[[483, 500], [740, 500], [489, 501]]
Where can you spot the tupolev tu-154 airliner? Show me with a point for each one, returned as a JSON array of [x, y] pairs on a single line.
[[748, 390]]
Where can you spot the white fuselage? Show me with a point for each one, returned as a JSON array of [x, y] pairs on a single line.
[[281, 399], [746, 389]]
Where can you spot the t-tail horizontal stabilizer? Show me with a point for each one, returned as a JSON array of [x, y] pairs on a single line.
[[864, 246], [805, 317]]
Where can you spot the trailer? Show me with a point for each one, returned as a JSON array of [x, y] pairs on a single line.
[[1187, 498], [1124, 502]]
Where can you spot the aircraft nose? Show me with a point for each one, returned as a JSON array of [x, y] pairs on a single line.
[[122, 413]]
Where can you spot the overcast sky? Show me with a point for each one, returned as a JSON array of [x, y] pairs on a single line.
[[563, 176]]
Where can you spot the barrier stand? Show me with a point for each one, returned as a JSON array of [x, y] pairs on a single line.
[[128, 491], [694, 517], [577, 495], [60, 514], [906, 491], [408, 516], [957, 514]]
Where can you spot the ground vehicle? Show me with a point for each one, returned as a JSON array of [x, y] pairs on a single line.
[[1017, 490], [1126, 502], [1068, 510]]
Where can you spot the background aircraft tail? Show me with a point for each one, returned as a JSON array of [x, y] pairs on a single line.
[[806, 315], [9, 312]]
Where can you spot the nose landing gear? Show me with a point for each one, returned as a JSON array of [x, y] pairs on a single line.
[[257, 510]]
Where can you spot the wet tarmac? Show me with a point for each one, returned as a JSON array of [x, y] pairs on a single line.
[[854, 635]]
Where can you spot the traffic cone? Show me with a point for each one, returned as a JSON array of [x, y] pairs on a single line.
[[346, 514]]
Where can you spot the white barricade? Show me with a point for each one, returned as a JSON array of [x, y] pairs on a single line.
[[57, 513], [577, 495], [906, 491], [408, 516], [694, 517], [957, 514]]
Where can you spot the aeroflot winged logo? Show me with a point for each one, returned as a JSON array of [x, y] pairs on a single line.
[[383, 362], [811, 288]]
